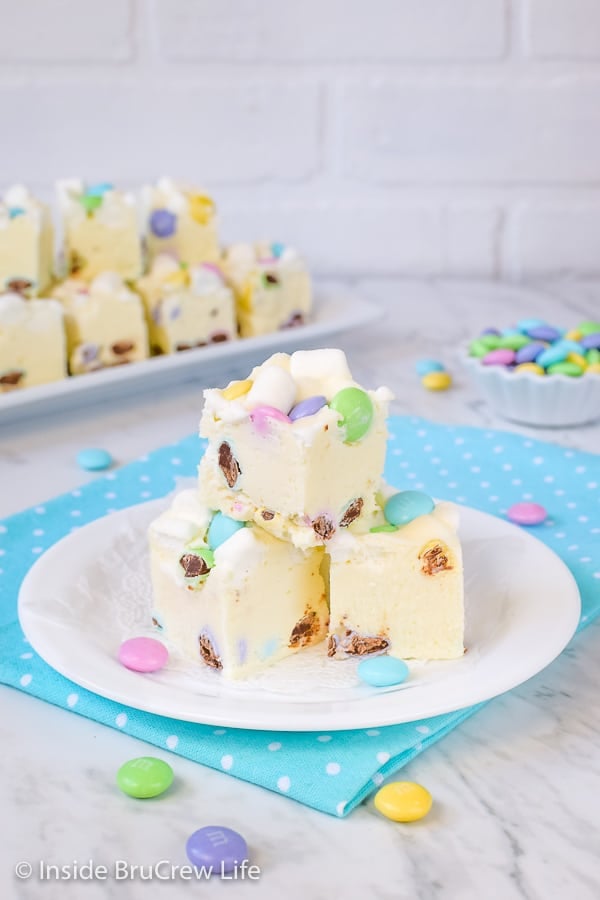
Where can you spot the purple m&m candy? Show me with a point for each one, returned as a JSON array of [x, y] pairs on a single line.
[[591, 342], [163, 223], [307, 407], [544, 333], [217, 848], [143, 654], [499, 358], [490, 331], [527, 513], [529, 353]]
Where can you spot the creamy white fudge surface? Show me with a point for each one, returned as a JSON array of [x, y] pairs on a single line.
[[186, 307], [100, 230], [26, 243], [301, 480], [105, 323], [180, 220], [247, 605], [271, 284], [32, 342], [399, 592]]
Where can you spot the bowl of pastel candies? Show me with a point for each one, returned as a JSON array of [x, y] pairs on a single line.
[[539, 374]]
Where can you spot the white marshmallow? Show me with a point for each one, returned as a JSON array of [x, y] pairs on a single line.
[[320, 372], [273, 387]]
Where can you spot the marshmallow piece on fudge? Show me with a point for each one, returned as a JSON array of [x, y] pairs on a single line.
[[300, 478], [26, 243], [399, 592], [181, 221], [272, 287], [240, 607], [105, 323], [32, 342], [100, 230], [185, 306]]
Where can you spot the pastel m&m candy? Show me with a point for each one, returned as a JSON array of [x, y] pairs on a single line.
[[145, 777], [424, 366], [436, 381], [217, 847], [552, 355], [591, 341], [236, 389], [530, 367], [403, 801], [221, 528], [500, 357], [94, 459], [163, 223], [143, 654], [565, 368], [527, 513], [530, 352], [514, 341], [382, 671], [544, 333], [356, 411], [594, 368], [589, 328], [405, 506], [261, 415], [308, 407], [90, 202]]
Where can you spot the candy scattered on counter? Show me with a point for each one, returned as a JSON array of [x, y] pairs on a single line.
[[539, 348], [94, 459], [403, 801], [433, 374], [217, 846], [382, 671], [143, 654], [144, 777], [527, 514]]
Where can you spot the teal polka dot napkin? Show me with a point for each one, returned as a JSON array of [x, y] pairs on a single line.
[[334, 771]]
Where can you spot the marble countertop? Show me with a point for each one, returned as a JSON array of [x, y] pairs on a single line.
[[515, 788]]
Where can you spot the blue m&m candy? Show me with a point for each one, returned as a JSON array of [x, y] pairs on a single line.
[[98, 190], [307, 407], [216, 847], [425, 366], [94, 459], [405, 506], [163, 223], [221, 529], [382, 671]]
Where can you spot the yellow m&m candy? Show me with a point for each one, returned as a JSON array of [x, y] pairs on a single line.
[[202, 208], [595, 367], [403, 801], [573, 335], [436, 381], [578, 359], [236, 389], [530, 367]]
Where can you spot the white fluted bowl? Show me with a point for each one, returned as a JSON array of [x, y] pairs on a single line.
[[545, 401]]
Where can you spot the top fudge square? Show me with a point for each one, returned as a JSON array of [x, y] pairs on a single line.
[[298, 447]]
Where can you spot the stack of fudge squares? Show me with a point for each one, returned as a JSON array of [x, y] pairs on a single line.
[[287, 542], [138, 276]]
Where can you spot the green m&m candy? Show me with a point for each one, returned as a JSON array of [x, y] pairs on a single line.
[[565, 368], [589, 328], [90, 202], [513, 342], [379, 529], [356, 411], [592, 357], [144, 777]]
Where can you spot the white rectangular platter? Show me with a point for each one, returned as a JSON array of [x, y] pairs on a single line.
[[334, 312]]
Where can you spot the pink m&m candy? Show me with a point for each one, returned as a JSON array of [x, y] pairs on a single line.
[[527, 513], [260, 416], [500, 357], [143, 654]]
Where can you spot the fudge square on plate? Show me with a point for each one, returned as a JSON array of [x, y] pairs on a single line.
[[238, 600], [32, 342], [179, 220], [297, 447]]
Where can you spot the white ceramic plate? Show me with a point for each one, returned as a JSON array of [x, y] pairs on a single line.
[[334, 312], [91, 590]]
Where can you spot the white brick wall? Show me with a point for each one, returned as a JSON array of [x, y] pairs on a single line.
[[419, 137]]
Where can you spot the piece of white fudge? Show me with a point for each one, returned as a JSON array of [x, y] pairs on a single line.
[[399, 591], [272, 287], [186, 307], [181, 221], [298, 447], [26, 243], [100, 230], [234, 598], [105, 323], [32, 342]]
